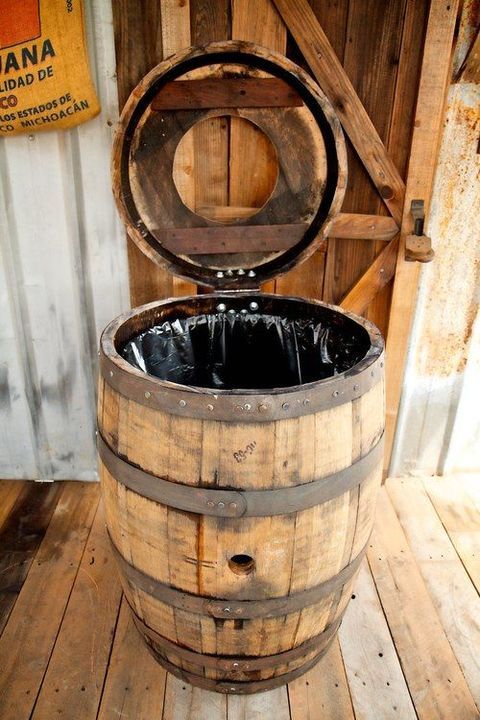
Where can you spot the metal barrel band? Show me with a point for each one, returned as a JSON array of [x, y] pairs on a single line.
[[235, 687], [239, 503], [235, 609], [231, 663], [243, 408]]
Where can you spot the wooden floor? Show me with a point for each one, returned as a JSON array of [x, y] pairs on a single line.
[[409, 645]]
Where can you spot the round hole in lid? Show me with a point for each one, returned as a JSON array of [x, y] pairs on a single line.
[[241, 564], [239, 168]]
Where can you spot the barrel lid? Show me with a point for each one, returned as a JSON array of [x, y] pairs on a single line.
[[228, 247]]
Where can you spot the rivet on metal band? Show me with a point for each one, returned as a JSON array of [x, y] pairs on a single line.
[[238, 609], [232, 663], [234, 687], [203, 404], [239, 503]]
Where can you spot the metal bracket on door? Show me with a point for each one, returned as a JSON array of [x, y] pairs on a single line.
[[418, 247]]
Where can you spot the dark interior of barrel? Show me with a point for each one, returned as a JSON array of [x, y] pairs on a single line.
[[248, 342]]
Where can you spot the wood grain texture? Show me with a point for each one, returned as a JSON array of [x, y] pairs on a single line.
[[371, 63], [373, 280], [20, 537], [363, 227], [176, 35], [134, 687], [401, 124], [388, 96], [159, 30], [9, 492], [273, 703], [189, 703], [459, 510], [135, 684], [145, 186], [78, 657], [210, 20], [437, 690], [218, 92], [256, 21], [138, 47], [29, 637], [322, 693], [435, 72], [308, 279], [371, 663], [455, 598], [206, 241], [193, 552]]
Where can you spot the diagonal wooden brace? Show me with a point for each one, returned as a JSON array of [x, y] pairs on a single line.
[[332, 78]]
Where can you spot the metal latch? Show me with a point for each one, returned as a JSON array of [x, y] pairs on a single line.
[[418, 247]]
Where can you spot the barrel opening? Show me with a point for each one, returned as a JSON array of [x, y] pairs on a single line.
[[252, 343], [241, 564]]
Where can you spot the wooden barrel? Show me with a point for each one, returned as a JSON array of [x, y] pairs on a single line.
[[239, 518]]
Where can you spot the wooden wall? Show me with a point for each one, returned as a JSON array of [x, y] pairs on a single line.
[[380, 46]]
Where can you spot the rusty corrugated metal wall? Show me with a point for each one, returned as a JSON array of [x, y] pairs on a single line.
[[63, 275], [438, 429]]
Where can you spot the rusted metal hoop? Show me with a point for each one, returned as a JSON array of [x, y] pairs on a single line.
[[233, 663], [221, 502], [235, 609], [234, 687]]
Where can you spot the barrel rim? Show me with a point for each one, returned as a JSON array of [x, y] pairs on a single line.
[[236, 404]]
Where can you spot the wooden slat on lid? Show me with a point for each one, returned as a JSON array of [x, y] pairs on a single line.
[[211, 93]]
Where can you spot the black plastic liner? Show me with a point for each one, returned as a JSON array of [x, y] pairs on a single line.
[[240, 350]]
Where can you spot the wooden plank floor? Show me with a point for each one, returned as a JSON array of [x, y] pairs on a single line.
[[409, 646]]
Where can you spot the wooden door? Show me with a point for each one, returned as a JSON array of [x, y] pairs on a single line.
[[384, 67]]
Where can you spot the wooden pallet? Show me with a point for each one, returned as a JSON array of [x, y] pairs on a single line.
[[408, 647]]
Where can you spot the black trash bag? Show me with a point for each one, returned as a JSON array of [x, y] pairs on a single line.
[[237, 350]]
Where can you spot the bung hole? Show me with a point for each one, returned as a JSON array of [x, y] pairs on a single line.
[[241, 564]]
